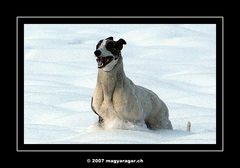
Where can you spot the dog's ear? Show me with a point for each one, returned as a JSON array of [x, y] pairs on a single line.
[[109, 38], [120, 43]]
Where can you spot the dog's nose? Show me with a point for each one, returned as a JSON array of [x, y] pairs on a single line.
[[97, 52]]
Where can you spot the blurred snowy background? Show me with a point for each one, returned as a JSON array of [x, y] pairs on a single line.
[[176, 61]]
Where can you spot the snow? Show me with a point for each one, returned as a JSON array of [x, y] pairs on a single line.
[[176, 61]]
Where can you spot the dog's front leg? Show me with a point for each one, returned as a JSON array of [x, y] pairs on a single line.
[[100, 121]]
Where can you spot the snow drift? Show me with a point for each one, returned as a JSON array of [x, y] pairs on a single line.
[[178, 62]]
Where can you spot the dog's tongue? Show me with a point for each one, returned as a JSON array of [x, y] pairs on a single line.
[[101, 60]]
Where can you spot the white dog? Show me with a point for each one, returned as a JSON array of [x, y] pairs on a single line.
[[117, 97]]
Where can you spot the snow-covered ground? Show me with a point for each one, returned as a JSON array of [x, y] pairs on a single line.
[[176, 61]]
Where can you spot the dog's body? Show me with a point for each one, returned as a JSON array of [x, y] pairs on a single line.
[[117, 97]]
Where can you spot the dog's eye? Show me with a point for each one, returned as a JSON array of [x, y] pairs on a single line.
[[109, 45]]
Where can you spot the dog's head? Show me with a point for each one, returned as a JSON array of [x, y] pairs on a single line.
[[108, 52]]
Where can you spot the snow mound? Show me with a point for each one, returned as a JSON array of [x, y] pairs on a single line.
[[178, 63]]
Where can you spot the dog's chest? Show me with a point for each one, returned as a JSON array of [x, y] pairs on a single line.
[[107, 91], [112, 105]]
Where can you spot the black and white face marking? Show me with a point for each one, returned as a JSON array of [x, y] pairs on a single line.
[[108, 52]]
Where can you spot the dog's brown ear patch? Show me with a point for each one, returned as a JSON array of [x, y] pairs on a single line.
[[109, 38]]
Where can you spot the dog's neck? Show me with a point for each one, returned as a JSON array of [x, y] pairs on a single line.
[[111, 80]]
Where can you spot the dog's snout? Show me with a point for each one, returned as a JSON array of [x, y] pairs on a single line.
[[97, 52]]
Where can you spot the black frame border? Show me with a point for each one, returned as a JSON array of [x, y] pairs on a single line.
[[20, 146]]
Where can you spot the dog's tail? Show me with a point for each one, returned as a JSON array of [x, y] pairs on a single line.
[[189, 125]]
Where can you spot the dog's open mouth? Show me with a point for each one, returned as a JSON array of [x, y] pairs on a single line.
[[103, 61]]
